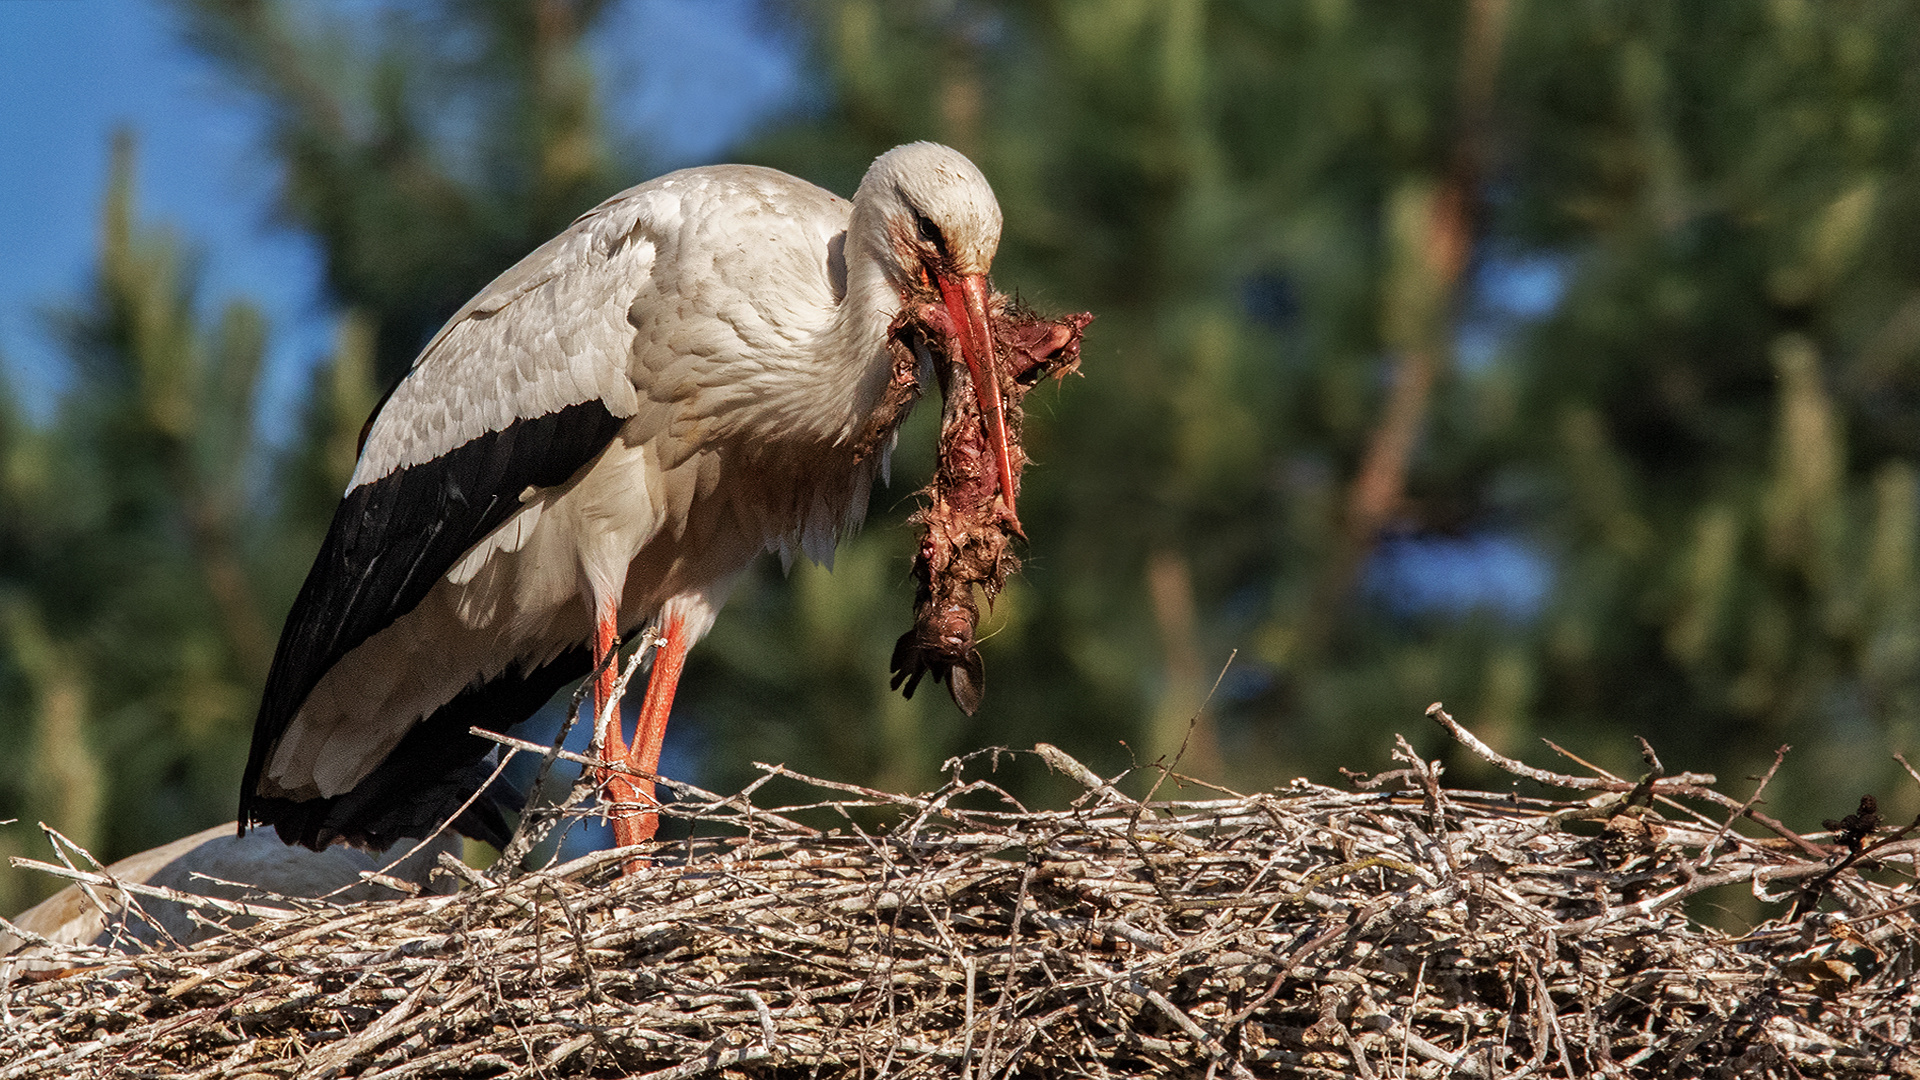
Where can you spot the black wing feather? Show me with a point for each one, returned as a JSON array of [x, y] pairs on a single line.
[[437, 767], [390, 541]]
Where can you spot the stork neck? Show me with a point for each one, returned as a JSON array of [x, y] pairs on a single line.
[[853, 362]]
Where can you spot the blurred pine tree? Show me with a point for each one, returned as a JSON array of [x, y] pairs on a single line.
[[1560, 361], [1301, 225], [149, 544], [1721, 448], [134, 632]]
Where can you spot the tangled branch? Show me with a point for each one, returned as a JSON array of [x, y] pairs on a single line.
[[1410, 930]]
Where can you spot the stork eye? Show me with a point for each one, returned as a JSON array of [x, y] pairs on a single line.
[[929, 231]]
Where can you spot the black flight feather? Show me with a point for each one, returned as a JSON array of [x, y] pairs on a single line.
[[390, 541], [437, 767]]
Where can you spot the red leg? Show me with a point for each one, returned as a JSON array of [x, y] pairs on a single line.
[[606, 638], [637, 826], [619, 791]]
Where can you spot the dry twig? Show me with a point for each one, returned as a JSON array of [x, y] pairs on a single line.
[[1314, 932]]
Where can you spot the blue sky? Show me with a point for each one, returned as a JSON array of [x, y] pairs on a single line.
[[690, 76]]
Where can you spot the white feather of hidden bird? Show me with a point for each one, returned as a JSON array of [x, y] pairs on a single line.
[[255, 869]]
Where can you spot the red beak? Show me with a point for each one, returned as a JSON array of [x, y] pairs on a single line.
[[966, 300]]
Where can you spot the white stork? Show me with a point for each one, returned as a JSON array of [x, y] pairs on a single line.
[[606, 437]]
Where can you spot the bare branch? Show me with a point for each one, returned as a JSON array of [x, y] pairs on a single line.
[[1309, 932]]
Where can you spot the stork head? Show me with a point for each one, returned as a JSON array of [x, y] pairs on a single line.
[[938, 212], [935, 226]]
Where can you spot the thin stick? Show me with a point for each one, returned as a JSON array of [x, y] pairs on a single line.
[[1256, 933]]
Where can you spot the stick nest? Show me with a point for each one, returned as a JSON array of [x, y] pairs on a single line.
[[1403, 929]]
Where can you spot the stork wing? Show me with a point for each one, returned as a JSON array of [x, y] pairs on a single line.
[[521, 389]]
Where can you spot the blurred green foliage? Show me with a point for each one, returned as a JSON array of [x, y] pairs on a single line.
[[1304, 227]]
